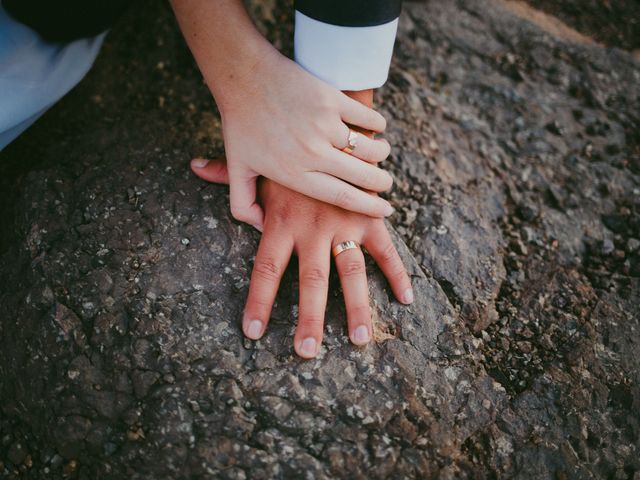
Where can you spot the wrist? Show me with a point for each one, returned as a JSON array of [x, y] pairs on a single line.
[[224, 41], [363, 96]]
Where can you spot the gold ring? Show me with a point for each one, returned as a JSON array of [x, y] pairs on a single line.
[[352, 142], [341, 247]]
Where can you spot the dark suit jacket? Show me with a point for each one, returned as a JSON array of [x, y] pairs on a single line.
[[67, 20]]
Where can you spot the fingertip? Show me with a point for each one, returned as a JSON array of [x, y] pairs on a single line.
[[307, 348], [210, 170], [407, 296], [253, 329], [388, 210], [387, 150], [389, 180], [380, 209], [198, 163], [360, 335], [383, 123]]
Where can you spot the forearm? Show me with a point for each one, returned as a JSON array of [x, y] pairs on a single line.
[[224, 42]]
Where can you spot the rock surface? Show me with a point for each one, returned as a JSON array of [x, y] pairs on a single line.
[[517, 165]]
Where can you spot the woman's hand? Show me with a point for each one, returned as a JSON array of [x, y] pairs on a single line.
[[289, 127], [278, 120]]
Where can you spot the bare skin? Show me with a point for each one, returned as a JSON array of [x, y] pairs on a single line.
[[298, 224], [278, 120]]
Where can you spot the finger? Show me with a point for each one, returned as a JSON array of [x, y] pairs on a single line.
[[328, 189], [271, 261], [357, 172], [314, 281], [367, 149], [359, 115], [211, 170], [243, 201], [379, 245], [353, 278]]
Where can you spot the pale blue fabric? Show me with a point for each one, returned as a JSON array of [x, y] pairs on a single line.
[[35, 74]]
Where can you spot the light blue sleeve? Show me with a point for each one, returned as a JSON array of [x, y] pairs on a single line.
[[35, 74]]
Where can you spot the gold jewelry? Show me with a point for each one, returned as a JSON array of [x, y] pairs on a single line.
[[352, 142], [341, 247]]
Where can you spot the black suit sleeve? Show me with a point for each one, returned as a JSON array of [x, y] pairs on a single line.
[[351, 13], [66, 20]]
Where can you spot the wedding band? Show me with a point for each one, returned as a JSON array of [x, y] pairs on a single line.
[[352, 142], [341, 247]]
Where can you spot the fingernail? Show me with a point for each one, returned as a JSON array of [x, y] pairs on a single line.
[[308, 347], [361, 335], [407, 296], [388, 210], [258, 227], [255, 329], [199, 162]]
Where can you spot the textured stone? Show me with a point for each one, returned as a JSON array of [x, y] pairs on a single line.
[[516, 157]]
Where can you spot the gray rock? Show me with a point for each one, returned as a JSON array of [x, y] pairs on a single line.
[[123, 276]]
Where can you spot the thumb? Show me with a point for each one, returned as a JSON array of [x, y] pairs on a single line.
[[243, 200], [211, 170]]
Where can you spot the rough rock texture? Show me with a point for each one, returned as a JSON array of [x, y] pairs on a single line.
[[517, 159]]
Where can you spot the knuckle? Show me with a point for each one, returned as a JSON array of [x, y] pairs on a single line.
[[267, 269], [367, 179], [325, 125], [353, 268], [344, 199], [312, 321], [326, 99], [360, 310], [400, 274], [239, 213], [388, 253], [320, 161], [396, 268], [311, 148], [314, 277], [258, 304], [280, 216]]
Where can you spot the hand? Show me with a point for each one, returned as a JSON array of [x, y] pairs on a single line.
[[288, 126], [278, 120], [295, 223]]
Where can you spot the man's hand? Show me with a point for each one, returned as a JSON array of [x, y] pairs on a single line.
[[295, 223], [298, 224]]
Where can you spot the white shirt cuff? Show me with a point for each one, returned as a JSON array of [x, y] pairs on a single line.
[[349, 58]]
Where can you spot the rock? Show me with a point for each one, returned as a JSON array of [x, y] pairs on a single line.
[[633, 244], [607, 246], [124, 276], [17, 453]]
